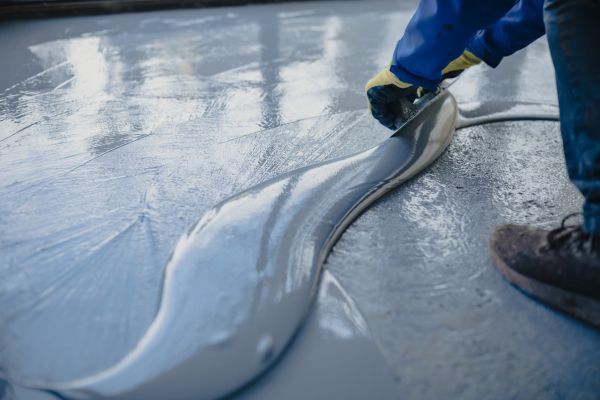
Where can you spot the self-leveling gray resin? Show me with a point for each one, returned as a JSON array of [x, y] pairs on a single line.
[[118, 132], [240, 283]]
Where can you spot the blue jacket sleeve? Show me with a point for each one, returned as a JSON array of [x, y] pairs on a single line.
[[523, 24], [438, 32]]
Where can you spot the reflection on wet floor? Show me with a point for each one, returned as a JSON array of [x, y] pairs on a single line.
[[129, 132], [239, 284], [117, 132]]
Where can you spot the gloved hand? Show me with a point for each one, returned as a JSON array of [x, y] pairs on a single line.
[[386, 92]]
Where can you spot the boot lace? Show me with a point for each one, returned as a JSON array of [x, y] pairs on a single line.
[[573, 236]]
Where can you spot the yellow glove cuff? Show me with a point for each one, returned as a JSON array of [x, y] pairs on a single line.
[[386, 77], [462, 62]]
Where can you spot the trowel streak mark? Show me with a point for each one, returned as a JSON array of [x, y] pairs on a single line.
[[319, 140], [266, 246]]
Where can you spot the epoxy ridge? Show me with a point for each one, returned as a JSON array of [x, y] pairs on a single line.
[[267, 245]]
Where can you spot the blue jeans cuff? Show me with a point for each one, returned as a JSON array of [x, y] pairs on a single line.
[[591, 218]]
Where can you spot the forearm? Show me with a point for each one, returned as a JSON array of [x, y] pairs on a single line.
[[438, 32], [523, 24]]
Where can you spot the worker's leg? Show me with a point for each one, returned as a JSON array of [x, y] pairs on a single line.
[[523, 24], [560, 267], [573, 35], [439, 32]]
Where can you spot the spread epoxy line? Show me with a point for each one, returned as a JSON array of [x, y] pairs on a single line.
[[473, 114], [239, 284]]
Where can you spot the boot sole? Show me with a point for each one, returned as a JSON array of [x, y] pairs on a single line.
[[581, 307]]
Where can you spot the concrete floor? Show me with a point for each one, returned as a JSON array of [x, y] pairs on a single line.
[[117, 132]]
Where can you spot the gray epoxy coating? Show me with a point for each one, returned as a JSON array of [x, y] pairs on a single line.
[[322, 361], [240, 283], [118, 163], [110, 127]]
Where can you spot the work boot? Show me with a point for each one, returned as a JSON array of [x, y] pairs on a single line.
[[560, 267]]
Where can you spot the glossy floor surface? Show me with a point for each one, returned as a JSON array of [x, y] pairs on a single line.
[[117, 132]]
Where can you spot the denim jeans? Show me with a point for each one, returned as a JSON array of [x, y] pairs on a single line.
[[440, 30], [573, 30]]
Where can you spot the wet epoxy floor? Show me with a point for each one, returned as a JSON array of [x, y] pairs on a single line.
[[118, 131]]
